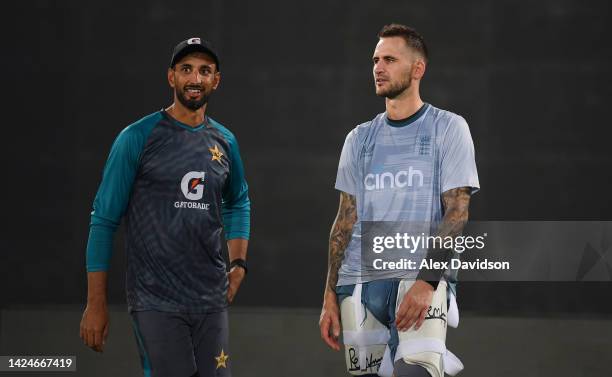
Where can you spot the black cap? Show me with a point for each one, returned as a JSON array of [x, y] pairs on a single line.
[[192, 45]]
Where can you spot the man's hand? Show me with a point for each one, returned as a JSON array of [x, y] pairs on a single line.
[[234, 277], [414, 306], [329, 322], [94, 326]]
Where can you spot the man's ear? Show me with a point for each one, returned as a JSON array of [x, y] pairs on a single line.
[[418, 69], [171, 77], [217, 80]]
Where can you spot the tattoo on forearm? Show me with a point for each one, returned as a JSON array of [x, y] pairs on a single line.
[[456, 203], [340, 236]]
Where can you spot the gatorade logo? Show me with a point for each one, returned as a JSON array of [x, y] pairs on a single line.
[[381, 181], [192, 185]]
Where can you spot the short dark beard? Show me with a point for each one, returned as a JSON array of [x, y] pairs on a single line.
[[192, 105], [396, 89]]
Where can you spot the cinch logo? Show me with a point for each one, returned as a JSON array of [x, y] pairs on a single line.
[[194, 41], [388, 180], [192, 185]]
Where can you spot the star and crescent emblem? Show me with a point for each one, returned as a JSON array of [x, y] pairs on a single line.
[[216, 153]]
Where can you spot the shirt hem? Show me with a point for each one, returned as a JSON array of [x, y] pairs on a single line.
[[176, 309]]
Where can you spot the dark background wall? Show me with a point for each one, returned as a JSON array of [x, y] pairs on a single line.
[[532, 79]]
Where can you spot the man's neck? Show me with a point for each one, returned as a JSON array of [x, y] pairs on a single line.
[[404, 105], [185, 115]]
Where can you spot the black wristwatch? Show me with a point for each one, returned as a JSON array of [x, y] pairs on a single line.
[[240, 263]]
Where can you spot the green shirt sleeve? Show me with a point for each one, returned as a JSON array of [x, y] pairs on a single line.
[[236, 205], [114, 191]]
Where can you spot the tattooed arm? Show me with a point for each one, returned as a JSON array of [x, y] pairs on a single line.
[[415, 303], [456, 203], [339, 238]]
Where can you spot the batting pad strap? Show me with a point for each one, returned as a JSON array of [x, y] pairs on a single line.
[[358, 306], [386, 366], [453, 311], [366, 337], [452, 364]]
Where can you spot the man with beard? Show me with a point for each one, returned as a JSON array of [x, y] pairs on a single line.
[[177, 177], [412, 164]]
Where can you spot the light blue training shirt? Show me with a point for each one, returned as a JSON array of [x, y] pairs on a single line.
[[397, 171]]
